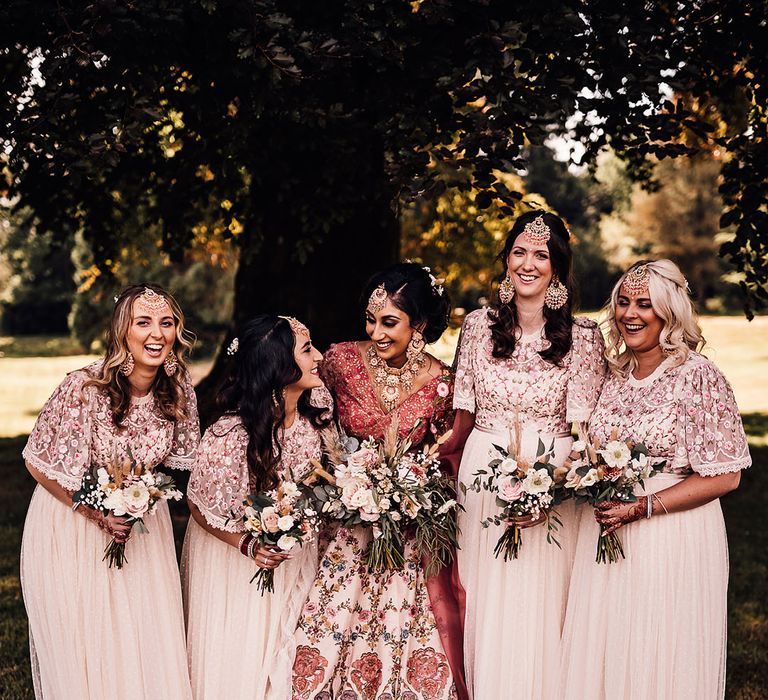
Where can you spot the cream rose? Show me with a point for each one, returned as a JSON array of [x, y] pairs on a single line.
[[269, 519]]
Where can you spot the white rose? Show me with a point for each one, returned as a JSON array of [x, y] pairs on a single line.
[[103, 476], [285, 522], [290, 489], [616, 454], [589, 478], [115, 502], [508, 466], [537, 481], [286, 543], [579, 446]]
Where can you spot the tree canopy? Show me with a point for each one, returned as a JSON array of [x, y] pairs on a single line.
[[298, 129]]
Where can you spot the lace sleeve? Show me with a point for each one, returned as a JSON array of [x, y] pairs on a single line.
[[587, 370], [710, 433], [186, 433], [59, 445], [219, 480], [464, 382]]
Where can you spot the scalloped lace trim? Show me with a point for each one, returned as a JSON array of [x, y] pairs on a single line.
[[214, 520], [717, 468], [71, 483], [463, 404], [182, 463]]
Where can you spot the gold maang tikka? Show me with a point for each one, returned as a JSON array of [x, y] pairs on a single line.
[[536, 232], [636, 280], [149, 300], [378, 299], [296, 325]]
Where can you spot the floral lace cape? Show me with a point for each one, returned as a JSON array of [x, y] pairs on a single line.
[[545, 397], [684, 413], [75, 431], [220, 477]]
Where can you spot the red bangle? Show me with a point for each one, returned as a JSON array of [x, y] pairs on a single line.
[[245, 540]]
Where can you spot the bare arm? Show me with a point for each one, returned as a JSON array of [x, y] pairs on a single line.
[[264, 557], [693, 491], [116, 525]]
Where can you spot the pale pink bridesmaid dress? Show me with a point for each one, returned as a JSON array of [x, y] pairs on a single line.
[[241, 644], [515, 609], [653, 626], [97, 632]]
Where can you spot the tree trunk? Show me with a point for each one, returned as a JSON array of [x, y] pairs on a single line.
[[323, 291]]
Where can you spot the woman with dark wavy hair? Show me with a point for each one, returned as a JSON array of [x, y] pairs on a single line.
[[273, 405], [390, 634], [98, 632], [525, 362]]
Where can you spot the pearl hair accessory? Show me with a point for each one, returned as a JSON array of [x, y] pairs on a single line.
[[233, 346], [636, 280], [537, 232], [378, 299]]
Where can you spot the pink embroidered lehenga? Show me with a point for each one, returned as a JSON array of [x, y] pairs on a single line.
[[378, 636], [97, 632]]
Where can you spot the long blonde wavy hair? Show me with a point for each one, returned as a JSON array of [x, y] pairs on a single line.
[[669, 294], [169, 392]]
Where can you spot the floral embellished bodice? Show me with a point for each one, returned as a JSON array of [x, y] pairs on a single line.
[[220, 477], [685, 414], [75, 431], [545, 397], [360, 413]]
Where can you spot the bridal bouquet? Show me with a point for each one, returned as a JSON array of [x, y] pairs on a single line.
[[522, 489], [279, 519], [124, 487], [609, 473], [395, 492]]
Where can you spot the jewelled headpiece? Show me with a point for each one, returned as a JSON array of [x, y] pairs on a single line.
[[636, 280], [150, 300], [233, 346], [296, 325], [537, 232], [378, 299]]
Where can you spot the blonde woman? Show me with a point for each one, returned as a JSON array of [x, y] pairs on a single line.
[[97, 632], [653, 626]]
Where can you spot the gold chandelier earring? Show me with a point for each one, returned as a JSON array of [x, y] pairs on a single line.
[[171, 364], [415, 345], [506, 289], [556, 294], [127, 366]]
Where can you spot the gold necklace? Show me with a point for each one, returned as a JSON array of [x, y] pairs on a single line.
[[390, 382]]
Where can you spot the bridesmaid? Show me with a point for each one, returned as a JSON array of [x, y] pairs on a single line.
[[241, 643], [653, 626], [393, 635], [527, 359], [97, 632]]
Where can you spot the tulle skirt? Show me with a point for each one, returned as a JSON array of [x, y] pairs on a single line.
[[515, 609], [240, 643], [651, 626], [97, 632]]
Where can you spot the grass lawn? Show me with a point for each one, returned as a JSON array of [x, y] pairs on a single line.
[[738, 347]]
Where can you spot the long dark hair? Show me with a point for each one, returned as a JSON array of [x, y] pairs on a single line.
[[263, 366], [558, 323], [411, 290]]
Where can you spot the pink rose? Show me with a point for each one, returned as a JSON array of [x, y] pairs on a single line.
[[443, 390], [510, 489], [362, 458], [269, 519]]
